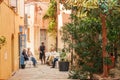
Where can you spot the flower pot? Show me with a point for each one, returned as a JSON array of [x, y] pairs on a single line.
[[63, 66]]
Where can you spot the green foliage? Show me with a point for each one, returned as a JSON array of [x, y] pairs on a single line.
[[51, 12], [107, 61], [113, 31], [63, 56], [84, 33], [2, 41], [51, 15], [87, 44], [113, 26], [78, 74], [51, 26], [107, 5]]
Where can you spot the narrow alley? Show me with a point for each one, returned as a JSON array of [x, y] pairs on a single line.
[[76, 39], [41, 72]]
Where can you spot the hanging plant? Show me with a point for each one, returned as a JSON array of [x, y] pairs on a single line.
[[2, 41]]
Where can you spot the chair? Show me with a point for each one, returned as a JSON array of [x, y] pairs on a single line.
[[29, 62], [57, 64]]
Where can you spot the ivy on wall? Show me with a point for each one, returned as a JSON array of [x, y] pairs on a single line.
[[51, 15]]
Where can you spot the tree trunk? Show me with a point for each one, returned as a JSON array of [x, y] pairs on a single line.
[[104, 43]]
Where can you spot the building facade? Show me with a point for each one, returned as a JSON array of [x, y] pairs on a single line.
[[63, 18], [11, 19], [36, 26]]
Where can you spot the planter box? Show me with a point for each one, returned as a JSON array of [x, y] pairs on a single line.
[[63, 66]]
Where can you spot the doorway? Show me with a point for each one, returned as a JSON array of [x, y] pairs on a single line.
[[43, 36], [12, 52], [22, 43]]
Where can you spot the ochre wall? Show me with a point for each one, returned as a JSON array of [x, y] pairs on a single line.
[[9, 53]]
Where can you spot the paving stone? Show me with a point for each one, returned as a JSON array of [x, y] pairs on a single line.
[[41, 72]]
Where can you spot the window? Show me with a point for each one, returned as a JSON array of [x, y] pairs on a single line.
[[28, 34], [43, 35], [20, 29]]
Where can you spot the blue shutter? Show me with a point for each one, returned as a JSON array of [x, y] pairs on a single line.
[[22, 39], [22, 42]]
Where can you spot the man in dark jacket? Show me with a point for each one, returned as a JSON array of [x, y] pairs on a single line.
[[42, 53]]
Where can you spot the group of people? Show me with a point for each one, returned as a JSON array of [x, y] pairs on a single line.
[[48, 57], [27, 55], [52, 57]]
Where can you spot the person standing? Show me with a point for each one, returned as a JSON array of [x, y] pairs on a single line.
[[42, 53]]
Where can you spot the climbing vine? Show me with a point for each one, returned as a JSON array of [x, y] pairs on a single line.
[[51, 15]]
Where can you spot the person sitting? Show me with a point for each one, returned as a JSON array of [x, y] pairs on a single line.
[[55, 59], [31, 57], [25, 54], [49, 57], [23, 58]]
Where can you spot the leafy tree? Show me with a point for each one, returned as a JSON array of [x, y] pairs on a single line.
[[86, 43], [91, 33]]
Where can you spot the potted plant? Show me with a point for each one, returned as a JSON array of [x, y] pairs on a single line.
[[63, 63]]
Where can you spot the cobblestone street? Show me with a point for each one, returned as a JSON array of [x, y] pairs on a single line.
[[41, 72]]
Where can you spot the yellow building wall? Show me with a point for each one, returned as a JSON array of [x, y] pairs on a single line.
[[9, 53]]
